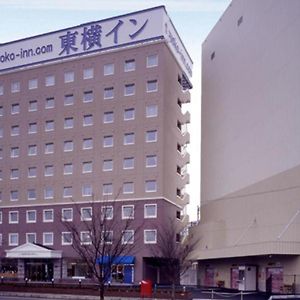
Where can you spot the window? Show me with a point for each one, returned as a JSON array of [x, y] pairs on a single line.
[[15, 130], [68, 123], [87, 143], [47, 238], [13, 217], [68, 146], [87, 167], [108, 117], [150, 236], [107, 189], [87, 120], [87, 190], [128, 163], [49, 125], [129, 89], [48, 215], [68, 100], [14, 152], [108, 69], [107, 212], [109, 93], [32, 128], [127, 211], [1, 239], [88, 96], [108, 141], [150, 186], [67, 214], [151, 136], [48, 193], [128, 138], [31, 237], [107, 236], [32, 172], [88, 73], [49, 148], [14, 173], [1, 217], [151, 161], [15, 87], [1, 90], [129, 114], [151, 111], [150, 211], [127, 237], [66, 238], [31, 194], [1, 153], [32, 105], [1, 132], [86, 213], [85, 238], [69, 76], [107, 165], [129, 65], [49, 103], [32, 150], [31, 216], [49, 170], [13, 239], [49, 80], [68, 169], [152, 61], [152, 86], [128, 188], [14, 195], [1, 111], [32, 84], [15, 108], [67, 192]]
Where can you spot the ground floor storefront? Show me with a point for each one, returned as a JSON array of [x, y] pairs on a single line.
[[32, 262], [270, 273]]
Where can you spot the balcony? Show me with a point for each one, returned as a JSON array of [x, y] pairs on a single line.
[[184, 138], [184, 118], [185, 97]]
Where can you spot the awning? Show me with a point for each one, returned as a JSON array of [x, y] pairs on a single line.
[[118, 260]]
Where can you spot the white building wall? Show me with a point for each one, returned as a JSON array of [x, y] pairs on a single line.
[[250, 96]]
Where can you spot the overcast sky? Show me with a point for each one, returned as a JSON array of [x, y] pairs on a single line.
[[193, 20]]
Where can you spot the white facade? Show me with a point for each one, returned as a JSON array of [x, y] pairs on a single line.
[[250, 160]]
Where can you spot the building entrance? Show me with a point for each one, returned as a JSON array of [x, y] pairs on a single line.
[[39, 270]]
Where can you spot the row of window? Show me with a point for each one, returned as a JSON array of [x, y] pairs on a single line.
[[86, 214], [87, 144], [87, 190], [150, 237], [87, 167], [108, 116], [108, 140], [88, 73]]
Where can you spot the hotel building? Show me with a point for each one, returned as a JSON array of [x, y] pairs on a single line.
[[92, 113], [250, 160]]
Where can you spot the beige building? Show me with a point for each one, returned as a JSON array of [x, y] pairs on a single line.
[[250, 160]]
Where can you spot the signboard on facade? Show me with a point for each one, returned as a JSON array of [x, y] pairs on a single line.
[[130, 29]]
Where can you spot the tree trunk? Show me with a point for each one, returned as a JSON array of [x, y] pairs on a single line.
[[102, 287], [173, 291]]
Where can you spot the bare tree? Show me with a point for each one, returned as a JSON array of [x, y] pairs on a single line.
[[171, 254], [101, 239]]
